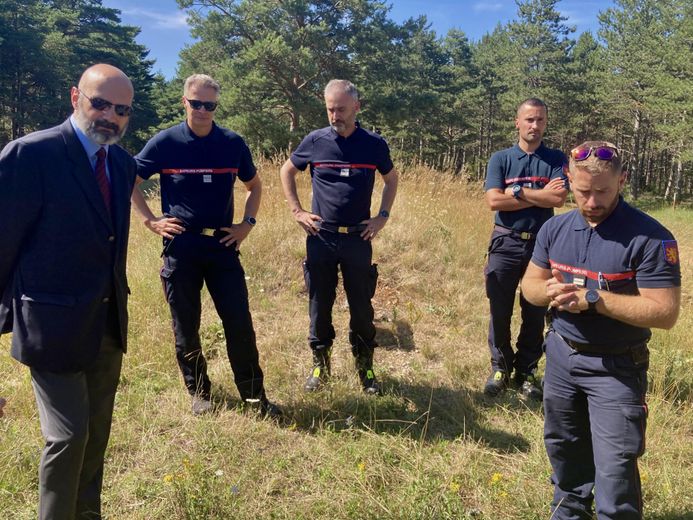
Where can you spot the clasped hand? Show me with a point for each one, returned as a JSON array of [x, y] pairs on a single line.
[[564, 296]]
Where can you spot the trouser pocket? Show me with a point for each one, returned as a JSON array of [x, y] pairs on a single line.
[[373, 279], [635, 420], [306, 275]]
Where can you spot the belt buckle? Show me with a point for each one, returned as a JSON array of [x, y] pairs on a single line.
[[208, 232], [525, 235], [343, 229]]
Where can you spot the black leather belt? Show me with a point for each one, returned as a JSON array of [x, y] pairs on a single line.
[[347, 230], [208, 232], [589, 348], [522, 235]]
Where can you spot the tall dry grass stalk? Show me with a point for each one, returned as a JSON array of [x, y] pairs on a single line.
[[431, 448]]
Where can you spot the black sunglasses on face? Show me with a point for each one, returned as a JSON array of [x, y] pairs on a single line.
[[210, 106], [101, 104]]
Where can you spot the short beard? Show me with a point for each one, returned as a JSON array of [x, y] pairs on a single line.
[[91, 130]]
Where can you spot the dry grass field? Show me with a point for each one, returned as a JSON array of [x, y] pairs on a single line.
[[432, 447]]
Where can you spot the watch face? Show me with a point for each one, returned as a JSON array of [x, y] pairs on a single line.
[[516, 190], [251, 220], [592, 296], [384, 213]]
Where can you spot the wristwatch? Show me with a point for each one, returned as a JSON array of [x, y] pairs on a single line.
[[517, 191], [384, 213], [250, 220], [592, 297]]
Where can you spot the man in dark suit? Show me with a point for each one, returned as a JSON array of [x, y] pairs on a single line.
[[65, 215]]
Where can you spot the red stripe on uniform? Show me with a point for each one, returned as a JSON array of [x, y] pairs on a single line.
[[343, 165], [187, 171], [591, 274], [527, 179]]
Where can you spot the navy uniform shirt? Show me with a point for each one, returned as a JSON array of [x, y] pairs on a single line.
[[534, 170], [342, 170], [197, 173], [627, 251]]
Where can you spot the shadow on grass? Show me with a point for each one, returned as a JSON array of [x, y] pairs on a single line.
[[426, 414], [678, 515], [399, 336]]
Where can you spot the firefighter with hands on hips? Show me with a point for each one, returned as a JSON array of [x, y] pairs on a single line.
[[523, 185], [343, 158], [198, 163], [610, 273]]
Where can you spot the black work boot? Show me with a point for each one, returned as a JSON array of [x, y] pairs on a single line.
[[363, 361], [263, 407], [496, 383], [529, 385], [320, 371]]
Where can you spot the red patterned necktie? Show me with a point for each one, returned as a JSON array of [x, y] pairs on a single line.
[[102, 179]]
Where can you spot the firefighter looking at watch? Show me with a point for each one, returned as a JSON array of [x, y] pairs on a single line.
[[609, 273]]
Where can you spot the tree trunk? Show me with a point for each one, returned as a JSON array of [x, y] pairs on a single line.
[[679, 174], [634, 162]]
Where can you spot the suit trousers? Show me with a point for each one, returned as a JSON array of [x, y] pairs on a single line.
[[75, 410], [508, 257]]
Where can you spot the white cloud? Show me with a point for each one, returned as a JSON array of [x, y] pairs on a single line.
[[486, 6], [159, 20]]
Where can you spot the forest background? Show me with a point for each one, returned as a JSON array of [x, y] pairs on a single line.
[[441, 101]]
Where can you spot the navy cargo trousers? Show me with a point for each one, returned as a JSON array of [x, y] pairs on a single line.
[[325, 253], [189, 261], [508, 257], [594, 431]]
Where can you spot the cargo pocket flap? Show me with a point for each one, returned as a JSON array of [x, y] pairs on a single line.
[[66, 300], [635, 420]]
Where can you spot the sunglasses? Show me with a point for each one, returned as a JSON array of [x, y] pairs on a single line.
[[604, 153], [210, 106], [101, 104]]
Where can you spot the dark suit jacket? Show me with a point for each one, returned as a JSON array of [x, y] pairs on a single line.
[[62, 257]]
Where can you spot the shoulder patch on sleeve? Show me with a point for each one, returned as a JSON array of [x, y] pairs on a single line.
[[671, 251]]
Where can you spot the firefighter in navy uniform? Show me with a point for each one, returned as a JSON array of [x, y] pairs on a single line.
[[199, 163], [343, 159], [609, 273], [523, 185]]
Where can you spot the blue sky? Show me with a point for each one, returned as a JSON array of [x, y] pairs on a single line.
[[165, 31]]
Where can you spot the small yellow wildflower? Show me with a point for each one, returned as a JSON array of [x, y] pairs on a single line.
[[454, 487], [168, 478], [362, 467], [496, 478]]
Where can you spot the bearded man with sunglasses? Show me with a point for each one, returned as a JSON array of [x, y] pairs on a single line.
[[523, 185], [65, 213], [609, 273], [198, 163]]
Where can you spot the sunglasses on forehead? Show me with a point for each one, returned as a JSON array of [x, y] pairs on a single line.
[[210, 106], [604, 153], [101, 104]]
